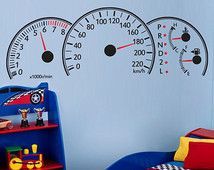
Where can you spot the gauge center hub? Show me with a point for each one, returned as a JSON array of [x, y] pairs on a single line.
[[47, 56], [110, 50], [185, 37]]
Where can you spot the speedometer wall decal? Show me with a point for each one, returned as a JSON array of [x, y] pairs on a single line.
[[117, 33], [34, 44]]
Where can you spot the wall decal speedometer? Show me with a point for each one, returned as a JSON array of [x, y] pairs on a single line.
[[110, 33], [34, 44]]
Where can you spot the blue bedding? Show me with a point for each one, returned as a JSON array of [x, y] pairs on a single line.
[[176, 163]]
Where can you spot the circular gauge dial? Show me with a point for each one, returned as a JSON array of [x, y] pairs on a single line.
[[35, 51], [110, 33], [179, 42]]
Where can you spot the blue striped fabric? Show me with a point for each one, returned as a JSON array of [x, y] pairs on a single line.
[[176, 163], [168, 166]]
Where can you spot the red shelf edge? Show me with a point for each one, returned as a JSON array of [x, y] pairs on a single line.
[[17, 128], [50, 165]]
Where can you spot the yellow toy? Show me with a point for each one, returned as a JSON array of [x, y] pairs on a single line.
[[17, 160]]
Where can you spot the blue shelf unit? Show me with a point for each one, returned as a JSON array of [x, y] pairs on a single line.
[[48, 138]]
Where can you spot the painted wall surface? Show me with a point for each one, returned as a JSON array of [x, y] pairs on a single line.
[[107, 111]]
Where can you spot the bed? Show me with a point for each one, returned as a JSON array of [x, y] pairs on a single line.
[[150, 160]]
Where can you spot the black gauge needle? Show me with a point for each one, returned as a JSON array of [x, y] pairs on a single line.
[[43, 42], [124, 46]]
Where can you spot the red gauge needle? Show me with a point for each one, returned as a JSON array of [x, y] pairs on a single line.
[[43, 42], [177, 38], [187, 61], [124, 46]]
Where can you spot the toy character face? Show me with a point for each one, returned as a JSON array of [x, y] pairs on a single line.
[[39, 111], [24, 113], [39, 114]]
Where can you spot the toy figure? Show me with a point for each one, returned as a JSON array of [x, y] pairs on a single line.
[[24, 112], [39, 112]]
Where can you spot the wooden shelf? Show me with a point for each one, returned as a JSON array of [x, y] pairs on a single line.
[[32, 127]]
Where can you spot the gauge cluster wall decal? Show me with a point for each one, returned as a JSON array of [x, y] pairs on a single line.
[[179, 42], [37, 36], [161, 42], [138, 39]]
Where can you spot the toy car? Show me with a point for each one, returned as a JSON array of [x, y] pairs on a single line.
[[4, 123]]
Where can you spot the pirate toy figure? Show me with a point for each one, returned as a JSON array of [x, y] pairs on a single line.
[[39, 112], [24, 122]]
